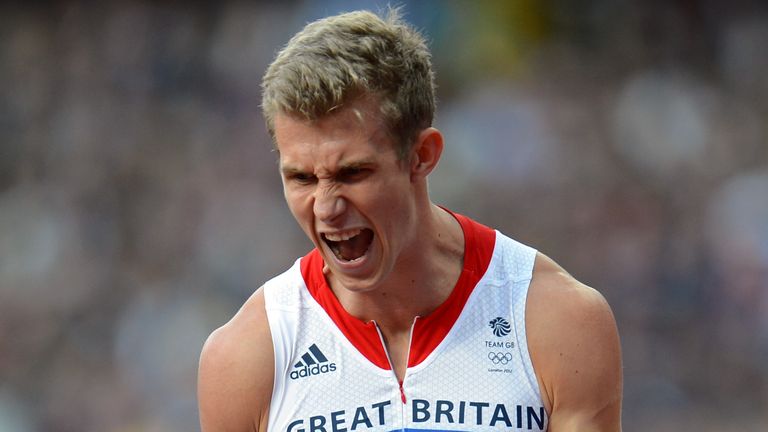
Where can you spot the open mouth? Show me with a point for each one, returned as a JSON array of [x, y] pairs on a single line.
[[349, 245]]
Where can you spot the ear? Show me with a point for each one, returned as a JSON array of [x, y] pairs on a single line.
[[426, 152]]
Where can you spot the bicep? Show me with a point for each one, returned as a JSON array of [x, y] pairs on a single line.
[[587, 377], [575, 349], [235, 377]]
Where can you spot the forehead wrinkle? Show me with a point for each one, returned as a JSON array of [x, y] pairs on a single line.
[[352, 128]]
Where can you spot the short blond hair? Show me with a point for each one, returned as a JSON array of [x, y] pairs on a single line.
[[340, 58]]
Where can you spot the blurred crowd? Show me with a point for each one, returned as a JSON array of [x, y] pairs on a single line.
[[140, 203]]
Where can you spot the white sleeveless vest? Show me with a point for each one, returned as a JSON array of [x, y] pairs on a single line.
[[468, 364]]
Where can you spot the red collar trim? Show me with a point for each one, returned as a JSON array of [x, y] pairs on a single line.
[[364, 336], [429, 330]]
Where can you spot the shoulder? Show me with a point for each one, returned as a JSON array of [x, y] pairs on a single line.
[[574, 346], [236, 371], [558, 295]]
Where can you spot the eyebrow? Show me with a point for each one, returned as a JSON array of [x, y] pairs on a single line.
[[357, 164], [290, 170], [365, 163]]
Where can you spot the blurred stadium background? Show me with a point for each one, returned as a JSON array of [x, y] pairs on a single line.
[[140, 203]]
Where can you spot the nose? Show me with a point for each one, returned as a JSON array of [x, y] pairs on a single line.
[[329, 205]]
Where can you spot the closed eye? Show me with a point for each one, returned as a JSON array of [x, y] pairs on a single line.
[[353, 174], [300, 178]]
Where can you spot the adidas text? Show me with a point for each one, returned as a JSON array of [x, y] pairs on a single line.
[[316, 369]]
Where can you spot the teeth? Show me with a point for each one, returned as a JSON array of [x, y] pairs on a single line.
[[345, 235]]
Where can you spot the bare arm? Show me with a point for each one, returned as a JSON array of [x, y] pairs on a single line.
[[575, 350], [236, 372]]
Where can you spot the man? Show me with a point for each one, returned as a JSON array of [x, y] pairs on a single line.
[[406, 316]]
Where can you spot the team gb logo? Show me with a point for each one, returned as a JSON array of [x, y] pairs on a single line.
[[500, 326]]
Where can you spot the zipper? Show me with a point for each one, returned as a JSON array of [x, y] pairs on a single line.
[[407, 358], [392, 365], [389, 359]]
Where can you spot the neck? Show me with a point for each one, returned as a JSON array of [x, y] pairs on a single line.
[[424, 276]]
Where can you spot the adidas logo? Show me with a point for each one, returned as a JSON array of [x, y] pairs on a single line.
[[313, 362]]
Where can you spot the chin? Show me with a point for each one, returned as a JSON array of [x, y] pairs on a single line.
[[357, 283], [358, 286]]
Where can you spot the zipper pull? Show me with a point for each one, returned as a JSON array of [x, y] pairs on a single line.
[[402, 393]]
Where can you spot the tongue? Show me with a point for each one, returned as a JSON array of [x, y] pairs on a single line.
[[356, 246]]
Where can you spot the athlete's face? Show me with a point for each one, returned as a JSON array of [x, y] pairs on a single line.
[[348, 191]]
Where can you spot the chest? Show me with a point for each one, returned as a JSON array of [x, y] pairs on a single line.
[[478, 377]]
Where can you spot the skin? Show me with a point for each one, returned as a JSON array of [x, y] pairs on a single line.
[[342, 173], [575, 350]]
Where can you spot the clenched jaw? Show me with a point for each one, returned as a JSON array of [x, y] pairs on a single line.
[[349, 245]]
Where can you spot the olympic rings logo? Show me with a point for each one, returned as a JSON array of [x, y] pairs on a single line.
[[500, 358]]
